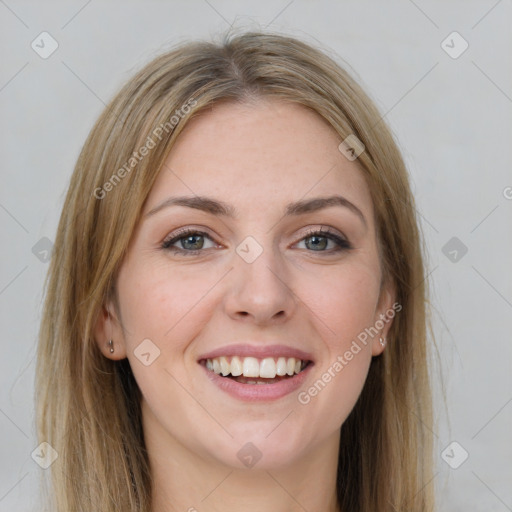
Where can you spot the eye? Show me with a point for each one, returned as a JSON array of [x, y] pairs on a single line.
[[191, 241], [318, 241]]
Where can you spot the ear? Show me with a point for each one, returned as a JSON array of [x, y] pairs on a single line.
[[386, 311], [108, 327]]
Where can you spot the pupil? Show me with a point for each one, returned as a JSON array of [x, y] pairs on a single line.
[[316, 244], [188, 239]]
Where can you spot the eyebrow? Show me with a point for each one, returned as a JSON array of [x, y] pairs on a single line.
[[223, 209]]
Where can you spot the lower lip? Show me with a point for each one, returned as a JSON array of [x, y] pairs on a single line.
[[258, 392]]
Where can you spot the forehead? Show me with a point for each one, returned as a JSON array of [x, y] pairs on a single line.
[[259, 153]]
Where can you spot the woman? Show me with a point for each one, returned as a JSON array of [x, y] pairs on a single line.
[[235, 314]]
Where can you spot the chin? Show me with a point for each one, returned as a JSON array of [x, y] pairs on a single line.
[[262, 448]]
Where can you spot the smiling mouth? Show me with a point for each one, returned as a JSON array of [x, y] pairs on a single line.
[[251, 370]]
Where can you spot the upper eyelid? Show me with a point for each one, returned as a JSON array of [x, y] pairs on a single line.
[[181, 232]]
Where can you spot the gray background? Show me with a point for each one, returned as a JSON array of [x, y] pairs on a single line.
[[452, 117]]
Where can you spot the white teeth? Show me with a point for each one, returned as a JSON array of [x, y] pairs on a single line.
[[251, 367], [281, 366], [224, 366], [267, 368], [236, 366]]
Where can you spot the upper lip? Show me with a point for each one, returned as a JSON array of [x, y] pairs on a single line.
[[257, 351]]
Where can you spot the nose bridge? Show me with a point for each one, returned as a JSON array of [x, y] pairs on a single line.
[[259, 286]]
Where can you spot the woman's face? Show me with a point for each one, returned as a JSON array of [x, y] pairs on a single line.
[[251, 286]]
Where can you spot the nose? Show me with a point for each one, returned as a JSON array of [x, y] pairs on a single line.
[[260, 292]]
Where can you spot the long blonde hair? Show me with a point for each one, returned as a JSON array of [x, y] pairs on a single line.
[[88, 406]]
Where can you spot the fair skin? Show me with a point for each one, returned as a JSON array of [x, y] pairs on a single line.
[[299, 293]]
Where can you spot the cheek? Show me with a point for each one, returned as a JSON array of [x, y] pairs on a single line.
[[170, 310], [344, 305], [344, 300], [160, 303]]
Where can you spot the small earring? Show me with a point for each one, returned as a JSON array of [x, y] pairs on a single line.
[[382, 341], [110, 344]]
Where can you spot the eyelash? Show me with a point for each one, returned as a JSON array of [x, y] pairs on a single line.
[[343, 245]]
